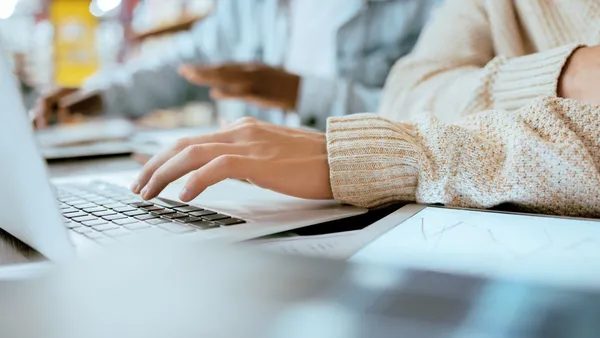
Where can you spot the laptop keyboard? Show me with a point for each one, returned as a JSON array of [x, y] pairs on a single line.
[[106, 212]]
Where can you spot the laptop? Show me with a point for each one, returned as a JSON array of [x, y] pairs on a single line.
[[93, 138], [77, 213]]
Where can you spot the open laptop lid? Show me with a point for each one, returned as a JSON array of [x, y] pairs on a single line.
[[28, 209]]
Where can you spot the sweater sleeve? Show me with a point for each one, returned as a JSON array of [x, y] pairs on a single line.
[[544, 157], [454, 70]]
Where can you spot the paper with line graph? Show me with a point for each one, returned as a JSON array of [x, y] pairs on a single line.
[[484, 242]]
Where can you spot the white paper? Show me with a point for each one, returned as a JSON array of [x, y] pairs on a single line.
[[336, 245], [491, 244]]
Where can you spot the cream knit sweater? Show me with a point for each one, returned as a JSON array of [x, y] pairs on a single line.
[[490, 68]]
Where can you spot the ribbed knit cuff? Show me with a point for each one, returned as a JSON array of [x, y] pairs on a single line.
[[372, 160], [520, 80]]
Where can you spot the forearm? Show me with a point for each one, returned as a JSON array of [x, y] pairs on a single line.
[[452, 89], [543, 157], [144, 91], [457, 68]]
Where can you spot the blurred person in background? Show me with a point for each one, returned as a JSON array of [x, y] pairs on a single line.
[[317, 58]]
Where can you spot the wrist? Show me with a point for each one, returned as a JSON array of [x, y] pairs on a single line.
[[571, 83]]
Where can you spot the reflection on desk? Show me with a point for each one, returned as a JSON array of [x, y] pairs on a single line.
[[176, 290]]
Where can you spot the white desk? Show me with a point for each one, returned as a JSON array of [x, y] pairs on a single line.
[[490, 244]]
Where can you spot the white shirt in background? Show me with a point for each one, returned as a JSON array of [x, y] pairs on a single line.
[[314, 25]]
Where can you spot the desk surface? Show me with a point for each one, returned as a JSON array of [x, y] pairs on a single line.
[[12, 251]]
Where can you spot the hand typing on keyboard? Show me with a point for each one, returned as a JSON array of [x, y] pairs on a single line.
[[106, 213], [287, 160]]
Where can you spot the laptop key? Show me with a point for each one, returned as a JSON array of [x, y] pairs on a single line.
[[104, 213], [141, 204], [135, 213], [202, 213], [85, 206], [145, 217], [188, 209], [105, 227], [114, 217], [124, 209], [132, 200], [94, 222], [176, 228], [96, 199], [137, 226], [126, 199], [82, 230], [84, 218], [71, 209], [156, 221], [167, 203], [204, 225], [125, 221], [231, 221], [75, 214], [188, 219], [162, 212], [115, 205], [152, 208], [106, 202], [94, 209], [174, 216], [214, 217], [117, 232], [77, 202]]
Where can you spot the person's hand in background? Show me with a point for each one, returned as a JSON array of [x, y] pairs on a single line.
[[262, 85], [47, 106], [580, 79], [286, 160], [60, 104]]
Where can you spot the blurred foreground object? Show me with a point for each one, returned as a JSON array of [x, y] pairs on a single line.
[[48, 110], [181, 290]]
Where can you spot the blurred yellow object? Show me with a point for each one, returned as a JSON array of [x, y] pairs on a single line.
[[74, 41]]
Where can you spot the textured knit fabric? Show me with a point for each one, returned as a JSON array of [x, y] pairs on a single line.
[[544, 157], [488, 127], [489, 54]]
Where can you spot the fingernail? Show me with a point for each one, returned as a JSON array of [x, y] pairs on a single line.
[[184, 195], [144, 193], [135, 188]]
